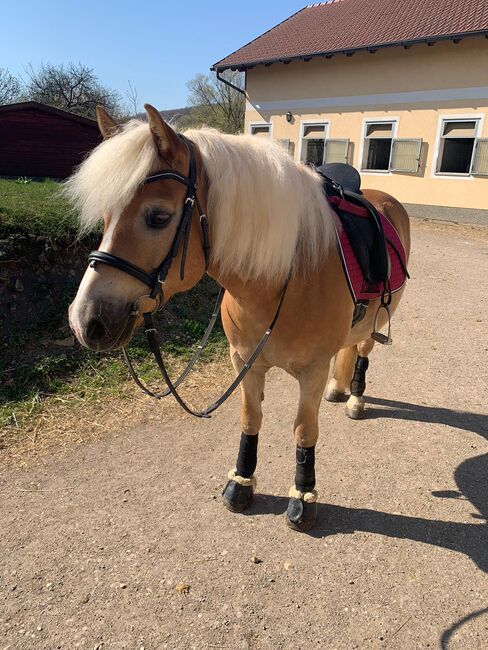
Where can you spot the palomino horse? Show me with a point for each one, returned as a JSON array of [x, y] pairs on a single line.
[[269, 227]]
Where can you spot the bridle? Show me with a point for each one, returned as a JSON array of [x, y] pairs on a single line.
[[155, 282], [155, 279]]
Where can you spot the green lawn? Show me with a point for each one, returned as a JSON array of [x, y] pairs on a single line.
[[35, 209]]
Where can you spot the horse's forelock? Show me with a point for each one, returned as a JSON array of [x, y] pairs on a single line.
[[108, 178]]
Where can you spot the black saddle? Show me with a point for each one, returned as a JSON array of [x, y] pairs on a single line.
[[364, 233], [344, 175]]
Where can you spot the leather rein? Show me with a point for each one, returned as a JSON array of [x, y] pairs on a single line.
[[155, 282]]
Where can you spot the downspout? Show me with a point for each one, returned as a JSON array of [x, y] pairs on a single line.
[[230, 84]]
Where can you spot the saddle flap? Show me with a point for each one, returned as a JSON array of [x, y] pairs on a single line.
[[368, 248], [367, 240]]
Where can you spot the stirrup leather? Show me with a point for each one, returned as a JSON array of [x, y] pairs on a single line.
[[384, 339]]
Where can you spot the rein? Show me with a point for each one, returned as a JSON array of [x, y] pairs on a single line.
[[155, 281]]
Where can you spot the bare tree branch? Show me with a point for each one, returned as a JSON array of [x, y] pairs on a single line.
[[10, 87], [133, 99], [216, 104], [72, 87]]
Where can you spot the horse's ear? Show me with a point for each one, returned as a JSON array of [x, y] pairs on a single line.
[[166, 139], [107, 125]]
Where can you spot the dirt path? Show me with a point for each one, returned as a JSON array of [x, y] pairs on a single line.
[[95, 543]]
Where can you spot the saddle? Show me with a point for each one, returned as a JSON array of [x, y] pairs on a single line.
[[342, 186], [372, 254]]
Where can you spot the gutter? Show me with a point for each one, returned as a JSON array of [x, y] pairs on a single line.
[[372, 49]]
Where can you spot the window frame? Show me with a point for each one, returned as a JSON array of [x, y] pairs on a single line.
[[303, 126], [260, 124], [466, 117], [394, 120]]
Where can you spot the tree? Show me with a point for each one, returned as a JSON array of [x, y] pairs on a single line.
[[215, 103], [72, 87], [133, 100], [9, 87]]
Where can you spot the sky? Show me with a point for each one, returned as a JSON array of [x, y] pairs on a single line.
[[157, 46]]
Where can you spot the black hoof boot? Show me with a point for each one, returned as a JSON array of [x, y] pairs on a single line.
[[301, 516], [237, 497]]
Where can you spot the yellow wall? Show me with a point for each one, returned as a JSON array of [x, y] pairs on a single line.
[[422, 84]]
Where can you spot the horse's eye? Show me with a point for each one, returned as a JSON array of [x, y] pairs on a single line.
[[157, 219]]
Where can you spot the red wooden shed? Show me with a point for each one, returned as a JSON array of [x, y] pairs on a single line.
[[42, 141]]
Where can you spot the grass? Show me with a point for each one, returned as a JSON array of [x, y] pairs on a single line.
[[35, 209], [33, 216], [89, 376]]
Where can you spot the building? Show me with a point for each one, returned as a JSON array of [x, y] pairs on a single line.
[[397, 88], [41, 141]]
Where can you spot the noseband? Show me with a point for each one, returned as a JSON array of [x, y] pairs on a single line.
[[155, 281]]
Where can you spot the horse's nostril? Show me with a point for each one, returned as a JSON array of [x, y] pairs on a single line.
[[95, 330]]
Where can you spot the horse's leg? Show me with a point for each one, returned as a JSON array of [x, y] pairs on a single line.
[[239, 490], [355, 403], [341, 379], [302, 507]]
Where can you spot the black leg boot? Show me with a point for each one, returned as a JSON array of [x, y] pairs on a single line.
[[239, 491], [302, 507], [355, 404]]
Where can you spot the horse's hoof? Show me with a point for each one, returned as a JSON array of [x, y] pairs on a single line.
[[355, 408], [334, 395], [355, 413], [301, 516], [237, 497]]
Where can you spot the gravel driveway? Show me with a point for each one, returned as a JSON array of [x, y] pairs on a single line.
[[123, 543]]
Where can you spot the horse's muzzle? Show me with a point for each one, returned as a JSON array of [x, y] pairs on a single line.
[[102, 326]]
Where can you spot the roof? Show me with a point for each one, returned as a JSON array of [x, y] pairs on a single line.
[[347, 26], [20, 106]]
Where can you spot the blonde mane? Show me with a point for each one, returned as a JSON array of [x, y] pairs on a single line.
[[267, 213]]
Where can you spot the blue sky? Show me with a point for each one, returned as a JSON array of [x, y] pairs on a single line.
[[158, 46]]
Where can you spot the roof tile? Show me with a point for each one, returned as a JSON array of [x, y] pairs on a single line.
[[345, 25]]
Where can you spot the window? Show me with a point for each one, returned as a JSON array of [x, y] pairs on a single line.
[[384, 153], [261, 130], [318, 149], [313, 143], [377, 146], [457, 146]]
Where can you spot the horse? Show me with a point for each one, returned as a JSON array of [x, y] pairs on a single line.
[[270, 239]]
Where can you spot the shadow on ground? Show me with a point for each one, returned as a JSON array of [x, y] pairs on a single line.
[[475, 422], [449, 633], [471, 478], [470, 539]]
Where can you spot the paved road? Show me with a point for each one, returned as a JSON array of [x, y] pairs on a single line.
[[96, 544]]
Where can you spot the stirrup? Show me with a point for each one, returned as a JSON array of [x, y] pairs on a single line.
[[384, 339]]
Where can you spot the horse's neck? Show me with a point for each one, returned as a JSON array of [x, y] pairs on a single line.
[[248, 293]]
